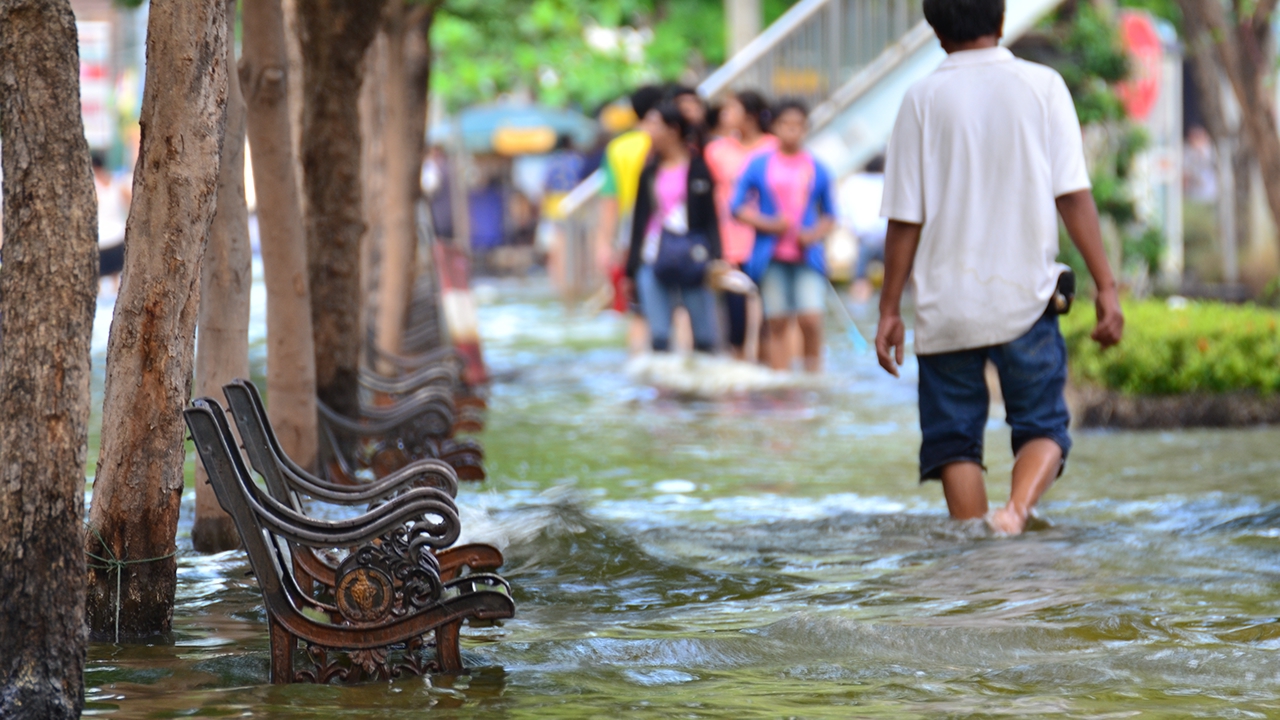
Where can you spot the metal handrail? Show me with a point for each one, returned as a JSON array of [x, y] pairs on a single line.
[[577, 198], [865, 79], [759, 46]]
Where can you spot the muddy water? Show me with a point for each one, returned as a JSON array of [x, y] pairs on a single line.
[[772, 556]]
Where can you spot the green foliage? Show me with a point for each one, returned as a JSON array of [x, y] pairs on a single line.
[[1203, 347], [485, 48]]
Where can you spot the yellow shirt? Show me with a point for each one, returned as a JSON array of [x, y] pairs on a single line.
[[624, 161]]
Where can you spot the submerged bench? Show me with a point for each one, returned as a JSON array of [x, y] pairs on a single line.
[[388, 602], [288, 482]]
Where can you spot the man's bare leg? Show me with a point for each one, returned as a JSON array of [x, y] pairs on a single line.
[[1033, 472], [965, 489]]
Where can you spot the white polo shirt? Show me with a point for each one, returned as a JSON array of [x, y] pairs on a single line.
[[980, 150]]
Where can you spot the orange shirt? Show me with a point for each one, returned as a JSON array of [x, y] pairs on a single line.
[[727, 157]]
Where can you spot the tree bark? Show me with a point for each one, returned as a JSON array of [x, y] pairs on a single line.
[[150, 351], [291, 369], [1244, 46], [222, 336], [50, 271], [334, 36], [373, 175], [398, 238]]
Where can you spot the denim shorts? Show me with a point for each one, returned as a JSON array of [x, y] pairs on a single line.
[[954, 398], [792, 289]]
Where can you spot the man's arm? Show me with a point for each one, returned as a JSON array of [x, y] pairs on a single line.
[[1080, 215], [606, 233], [900, 247]]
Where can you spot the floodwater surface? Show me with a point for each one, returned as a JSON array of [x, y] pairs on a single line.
[[773, 556]]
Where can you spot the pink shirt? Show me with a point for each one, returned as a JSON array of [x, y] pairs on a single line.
[[790, 179], [671, 190], [727, 157]]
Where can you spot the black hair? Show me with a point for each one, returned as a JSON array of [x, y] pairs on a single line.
[[645, 98], [681, 90], [98, 159], [875, 165], [673, 118], [964, 20], [564, 142], [756, 107], [789, 104], [713, 115]]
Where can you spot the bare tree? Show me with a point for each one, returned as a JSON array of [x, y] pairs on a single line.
[[291, 369], [222, 338], [134, 514], [334, 36], [1244, 44], [50, 271]]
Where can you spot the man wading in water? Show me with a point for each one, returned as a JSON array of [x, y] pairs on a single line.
[[983, 152]]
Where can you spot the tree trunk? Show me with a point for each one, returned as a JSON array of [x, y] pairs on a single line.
[[222, 337], [150, 350], [398, 238], [334, 35], [417, 71], [1233, 154], [50, 271], [373, 173], [291, 369], [1244, 47]]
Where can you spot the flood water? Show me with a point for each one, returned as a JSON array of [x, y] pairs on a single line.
[[773, 556]]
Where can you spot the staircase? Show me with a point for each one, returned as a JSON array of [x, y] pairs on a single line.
[[852, 61]]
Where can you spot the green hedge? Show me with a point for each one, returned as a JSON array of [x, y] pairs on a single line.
[[1202, 347]]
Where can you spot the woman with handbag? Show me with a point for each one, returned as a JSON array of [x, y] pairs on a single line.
[[674, 233]]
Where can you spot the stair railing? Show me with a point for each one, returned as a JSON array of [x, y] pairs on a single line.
[[815, 48]]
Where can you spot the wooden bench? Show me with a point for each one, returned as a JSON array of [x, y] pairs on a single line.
[[288, 482], [387, 597]]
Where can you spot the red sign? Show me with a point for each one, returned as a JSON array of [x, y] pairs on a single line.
[[1142, 90]]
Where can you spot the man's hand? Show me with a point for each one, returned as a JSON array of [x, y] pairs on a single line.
[[1110, 319], [1080, 215], [891, 343], [900, 246]]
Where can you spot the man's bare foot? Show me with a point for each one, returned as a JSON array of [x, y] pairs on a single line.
[[1007, 521]]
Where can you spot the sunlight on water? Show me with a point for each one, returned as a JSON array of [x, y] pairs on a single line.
[[771, 555]]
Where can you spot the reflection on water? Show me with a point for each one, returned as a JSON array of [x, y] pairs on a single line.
[[772, 556]]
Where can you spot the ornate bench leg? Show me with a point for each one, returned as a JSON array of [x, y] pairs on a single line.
[[282, 647], [448, 654]]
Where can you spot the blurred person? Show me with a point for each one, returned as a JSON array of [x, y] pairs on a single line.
[[1200, 167], [694, 110], [624, 159], [437, 185], [113, 215], [674, 233], [986, 154], [743, 118], [787, 196], [860, 199], [715, 128], [562, 175]]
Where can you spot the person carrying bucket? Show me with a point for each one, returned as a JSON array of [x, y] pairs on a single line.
[[986, 153], [787, 196]]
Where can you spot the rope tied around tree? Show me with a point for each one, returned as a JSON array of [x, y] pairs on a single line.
[[116, 565]]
